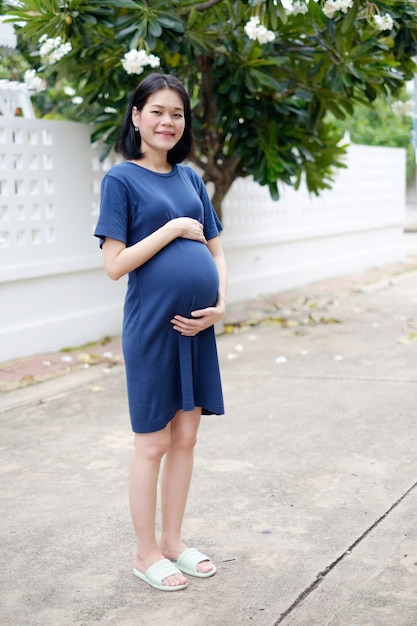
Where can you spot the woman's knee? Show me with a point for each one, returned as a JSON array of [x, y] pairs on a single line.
[[153, 446], [184, 430], [185, 441]]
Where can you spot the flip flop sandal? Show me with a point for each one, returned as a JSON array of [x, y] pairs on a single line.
[[157, 573], [189, 559]]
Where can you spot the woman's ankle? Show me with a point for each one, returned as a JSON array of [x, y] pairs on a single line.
[[172, 548]]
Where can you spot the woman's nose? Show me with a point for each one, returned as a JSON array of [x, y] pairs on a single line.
[[166, 119]]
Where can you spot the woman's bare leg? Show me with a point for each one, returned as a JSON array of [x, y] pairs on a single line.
[[147, 454], [175, 484]]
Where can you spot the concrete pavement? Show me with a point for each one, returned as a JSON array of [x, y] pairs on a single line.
[[304, 493]]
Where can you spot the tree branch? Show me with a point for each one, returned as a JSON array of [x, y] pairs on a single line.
[[206, 5]]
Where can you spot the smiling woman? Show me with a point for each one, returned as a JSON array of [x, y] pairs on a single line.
[[130, 140], [161, 124], [158, 225]]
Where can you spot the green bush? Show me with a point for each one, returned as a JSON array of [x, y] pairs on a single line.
[[378, 125]]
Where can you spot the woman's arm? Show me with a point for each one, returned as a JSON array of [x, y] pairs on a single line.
[[120, 260], [204, 318]]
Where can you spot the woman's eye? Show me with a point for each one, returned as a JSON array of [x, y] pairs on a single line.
[[176, 115]]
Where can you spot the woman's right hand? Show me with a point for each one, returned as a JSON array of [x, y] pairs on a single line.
[[120, 260], [188, 228]]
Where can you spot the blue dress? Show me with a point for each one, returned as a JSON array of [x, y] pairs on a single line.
[[165, 371]]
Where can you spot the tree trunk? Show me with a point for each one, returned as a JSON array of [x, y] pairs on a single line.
[[220, 192], [222, 176], [218, 167]]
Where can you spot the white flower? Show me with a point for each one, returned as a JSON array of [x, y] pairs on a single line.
[[256, 31], [251, 27], [135, 60], [153, 60], [297, 7], [403, 108], [264, 35], [131, 63], [77, 100], [332, 6], [328, 11], [383, 23], [52, 50], [61, 51], [34, 82], [69, 91]]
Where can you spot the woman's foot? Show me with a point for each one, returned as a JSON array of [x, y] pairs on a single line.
[[173, 554], [142, 565]]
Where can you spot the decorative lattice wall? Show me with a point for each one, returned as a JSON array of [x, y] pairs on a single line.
[[27, 190], [53, 288]]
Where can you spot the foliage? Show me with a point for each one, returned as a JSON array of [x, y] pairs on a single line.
[[380, 126], [259, 104], [12, 65]]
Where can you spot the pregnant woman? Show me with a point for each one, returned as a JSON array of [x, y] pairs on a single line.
[[158, 226]]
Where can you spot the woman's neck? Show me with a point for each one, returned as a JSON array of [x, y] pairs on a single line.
[[153, 163]]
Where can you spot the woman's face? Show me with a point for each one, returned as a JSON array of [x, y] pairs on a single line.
[[161, 122]]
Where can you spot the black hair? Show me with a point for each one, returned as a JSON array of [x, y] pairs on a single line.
[[130, 140]]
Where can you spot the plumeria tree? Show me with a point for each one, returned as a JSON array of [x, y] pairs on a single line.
[[262, 74]]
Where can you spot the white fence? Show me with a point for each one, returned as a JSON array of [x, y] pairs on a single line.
[[53, 290], [358, 224]]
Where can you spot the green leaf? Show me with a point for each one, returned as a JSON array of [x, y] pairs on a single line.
[[349, 19]]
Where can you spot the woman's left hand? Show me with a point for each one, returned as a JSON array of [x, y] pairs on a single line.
[[201, 319]]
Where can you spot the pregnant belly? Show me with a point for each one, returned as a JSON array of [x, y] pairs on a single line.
[[181, 278]]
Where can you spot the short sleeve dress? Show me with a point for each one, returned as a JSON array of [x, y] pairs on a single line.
[[165, 371]]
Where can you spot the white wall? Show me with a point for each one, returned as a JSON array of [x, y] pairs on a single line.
[[53, 290], [273, 246]]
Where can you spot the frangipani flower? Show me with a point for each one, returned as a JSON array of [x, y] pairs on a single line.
[[384, 22], [256, 31], [33, 81], [52, 50], [296, 8], [135, 60], [331, 7]]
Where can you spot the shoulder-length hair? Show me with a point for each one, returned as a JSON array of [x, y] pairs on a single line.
[[130, 140]]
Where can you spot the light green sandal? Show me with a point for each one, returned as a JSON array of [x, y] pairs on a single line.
[[157, 573], [189, 559]]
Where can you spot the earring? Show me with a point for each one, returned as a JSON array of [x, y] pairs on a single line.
[[136, 129]]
